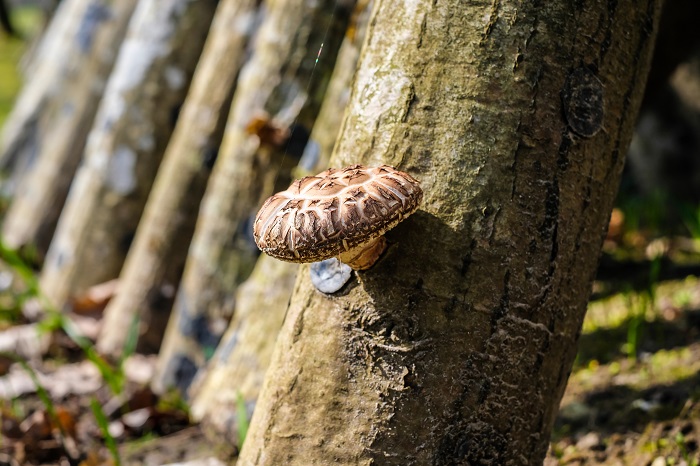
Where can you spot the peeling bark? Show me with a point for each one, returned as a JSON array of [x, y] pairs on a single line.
[[281, 85], [57, 124], [456, 347], [156, 258], [136, 117]]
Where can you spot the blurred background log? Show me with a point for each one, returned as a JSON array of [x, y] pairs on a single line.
[[156, 258], [136, 118], [47, 137], [277, 99], [235, 372]]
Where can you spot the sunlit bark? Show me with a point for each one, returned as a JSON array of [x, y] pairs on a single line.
[[157, 256], [456, 346], [126, 143]]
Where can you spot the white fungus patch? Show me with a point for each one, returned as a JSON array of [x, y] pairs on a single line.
[[383, 98], [384, 89], [147, 142]]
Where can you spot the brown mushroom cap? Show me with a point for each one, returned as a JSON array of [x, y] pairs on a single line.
[[322, 216]]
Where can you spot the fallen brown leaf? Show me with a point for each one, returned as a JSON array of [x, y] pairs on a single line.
[[95, 298]]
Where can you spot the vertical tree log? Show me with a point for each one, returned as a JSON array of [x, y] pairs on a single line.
[[455, 348], [280, 85], [133, 125], [243, 355], [156, 258], [57, 136]]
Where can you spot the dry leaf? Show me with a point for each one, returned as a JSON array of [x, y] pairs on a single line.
[[95, 298]]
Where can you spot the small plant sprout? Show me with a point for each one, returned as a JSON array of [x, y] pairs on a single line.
[[341, 213]]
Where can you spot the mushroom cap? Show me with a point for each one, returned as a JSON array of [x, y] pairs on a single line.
[[321, 216]]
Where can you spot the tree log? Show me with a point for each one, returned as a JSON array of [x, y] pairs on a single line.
[[135, 120], [280, 86], [59, 118], [456, 347], [155, 260]]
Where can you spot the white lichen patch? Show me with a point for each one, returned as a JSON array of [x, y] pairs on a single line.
[[383, 87], [121, 175], [244, 23], [383, 101], [148, 40], [97, 161], [146, 142]]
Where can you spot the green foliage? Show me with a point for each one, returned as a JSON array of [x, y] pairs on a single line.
[[113, 377], [645, 213], [10, 51], [173, 400], [103, 424], [691, 220], [26, 20], [242, 419], [54, 320], [40, 390], [638, 308]]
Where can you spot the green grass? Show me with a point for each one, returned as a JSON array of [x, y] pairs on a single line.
[[242, 418], [54, 320], [103, 424], [26, 21]]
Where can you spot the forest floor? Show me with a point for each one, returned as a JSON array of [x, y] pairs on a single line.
[[633, 397]]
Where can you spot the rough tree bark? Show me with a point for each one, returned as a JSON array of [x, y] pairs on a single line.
[[243, 355], [455, 348], [57, 133], [157, 256], [135, 120], [279, 86]]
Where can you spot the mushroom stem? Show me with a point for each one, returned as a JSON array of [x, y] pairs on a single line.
[[364, 256]]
